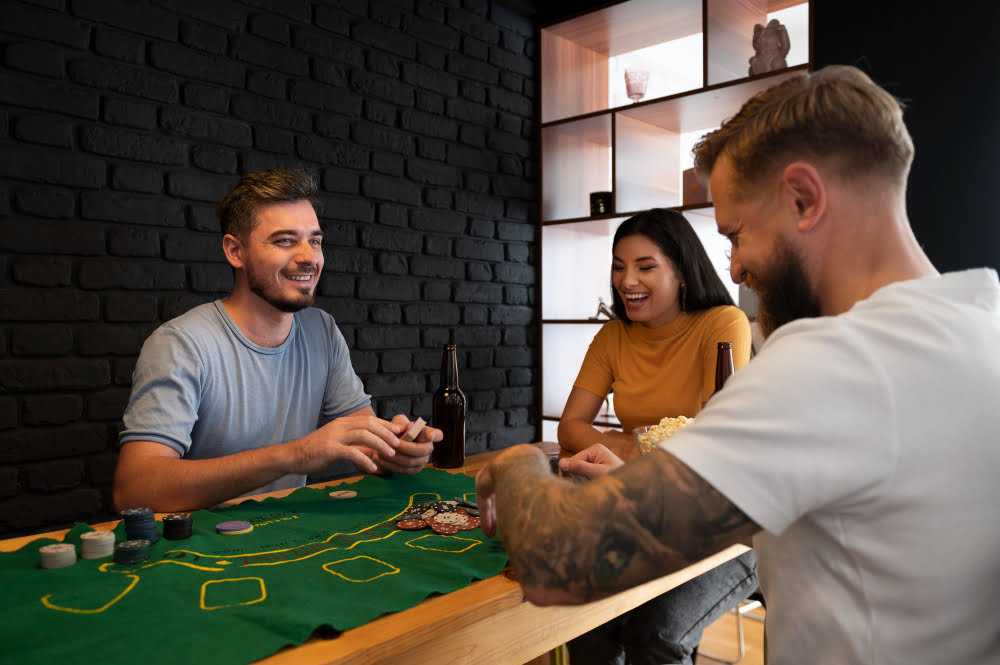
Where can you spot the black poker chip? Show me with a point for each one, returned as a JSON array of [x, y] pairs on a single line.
[[416, 512], [445, 506], [177, 526]]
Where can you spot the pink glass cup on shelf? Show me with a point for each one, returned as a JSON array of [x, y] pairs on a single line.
[[635, 84]]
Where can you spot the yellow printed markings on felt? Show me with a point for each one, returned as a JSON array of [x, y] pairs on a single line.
[[232, 592], [360, 569], [335, 541], [132, 560], [443, 543], [234, 528]]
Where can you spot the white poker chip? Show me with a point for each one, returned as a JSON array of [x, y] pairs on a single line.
[[343, 494], [58, 555], [97, 544]]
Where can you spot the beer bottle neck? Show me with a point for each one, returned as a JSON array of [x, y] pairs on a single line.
[[723, 364], [449, 368]]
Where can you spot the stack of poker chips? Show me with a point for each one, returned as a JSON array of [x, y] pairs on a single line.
[[58, 555], [131, 552], [97, 544], [177, 526], [140, 524]]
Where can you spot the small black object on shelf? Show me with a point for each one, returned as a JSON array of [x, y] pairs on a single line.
[[600, 203]]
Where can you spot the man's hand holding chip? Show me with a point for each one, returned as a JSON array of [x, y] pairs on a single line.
[[411, 456]]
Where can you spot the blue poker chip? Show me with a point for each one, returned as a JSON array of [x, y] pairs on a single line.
[[140, 524], [131, 552], [234, 527]]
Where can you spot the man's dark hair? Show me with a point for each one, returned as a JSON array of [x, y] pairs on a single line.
[[672, 233], [238, 210]]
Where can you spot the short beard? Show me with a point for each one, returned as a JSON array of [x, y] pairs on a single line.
[[259, 288], [784, 291]]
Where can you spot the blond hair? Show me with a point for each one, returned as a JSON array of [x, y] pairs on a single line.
[[836, 115]]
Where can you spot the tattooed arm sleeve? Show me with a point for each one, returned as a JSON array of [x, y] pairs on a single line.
[[576, 543]]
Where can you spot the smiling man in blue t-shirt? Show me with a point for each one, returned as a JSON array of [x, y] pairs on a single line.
[[252, 393]]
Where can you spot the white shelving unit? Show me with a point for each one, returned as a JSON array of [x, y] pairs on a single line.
[[593, 138]]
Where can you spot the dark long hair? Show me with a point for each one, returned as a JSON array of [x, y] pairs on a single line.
[[673, 234]]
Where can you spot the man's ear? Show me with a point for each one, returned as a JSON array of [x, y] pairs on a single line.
[[806, 190], [234, 250]]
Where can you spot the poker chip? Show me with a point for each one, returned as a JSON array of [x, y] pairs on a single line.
[[454, 519], [140, 524], [57, 555], [442, 517], [177, 526], [97, 544], [443, 529], [131, 552], [414, 431], [473, 523], [343, 494], [234, 528], [445, 506]]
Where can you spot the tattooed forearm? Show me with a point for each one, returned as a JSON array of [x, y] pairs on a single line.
[[647, 519]]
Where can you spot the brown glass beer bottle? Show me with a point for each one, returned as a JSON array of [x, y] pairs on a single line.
[[449, 415], [723, 364]]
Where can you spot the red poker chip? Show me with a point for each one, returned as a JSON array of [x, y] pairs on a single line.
[[411, 525], [444, 529], [473, 523]]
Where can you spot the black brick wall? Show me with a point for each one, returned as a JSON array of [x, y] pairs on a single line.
[[122, 123]]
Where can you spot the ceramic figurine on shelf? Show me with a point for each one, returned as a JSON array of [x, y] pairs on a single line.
[[771, 46]]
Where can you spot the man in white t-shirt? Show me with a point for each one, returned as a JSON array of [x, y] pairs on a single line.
[[859, 447]]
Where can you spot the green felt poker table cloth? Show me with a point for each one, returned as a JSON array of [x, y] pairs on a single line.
[[310, 562]]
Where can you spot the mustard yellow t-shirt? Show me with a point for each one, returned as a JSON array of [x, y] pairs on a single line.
[[666, 371]]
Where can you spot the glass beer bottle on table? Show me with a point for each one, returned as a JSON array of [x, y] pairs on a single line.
[[449, 415], [723, 364]]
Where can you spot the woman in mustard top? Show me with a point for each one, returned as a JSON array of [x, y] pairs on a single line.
[[658, 358]]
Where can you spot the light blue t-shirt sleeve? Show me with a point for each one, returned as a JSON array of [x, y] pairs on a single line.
[[166, 391]]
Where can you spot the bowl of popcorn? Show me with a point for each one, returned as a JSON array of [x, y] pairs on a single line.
[[650, 436]]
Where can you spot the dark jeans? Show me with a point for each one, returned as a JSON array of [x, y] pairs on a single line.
[[668, 628]]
